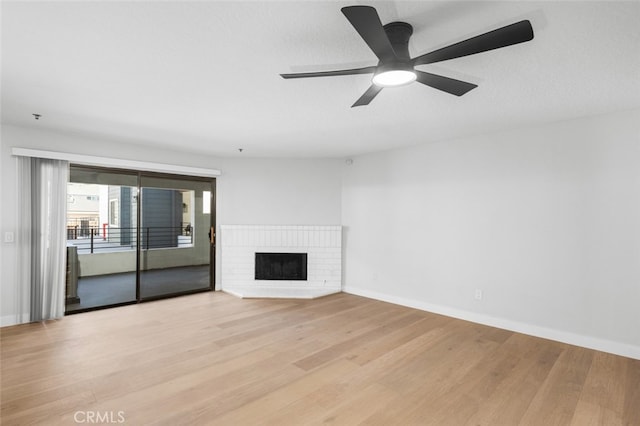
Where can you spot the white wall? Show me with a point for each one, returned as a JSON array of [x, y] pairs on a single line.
[[250, 191], [545, 221], [280, 192]]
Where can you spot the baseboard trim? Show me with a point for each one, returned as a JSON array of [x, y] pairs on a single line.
[[9, 320], [603, 345], [280, 293]]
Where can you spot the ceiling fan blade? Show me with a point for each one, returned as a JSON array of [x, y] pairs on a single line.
[[365, 70], [368, 96], [446, 84], [367, 23], [502, 37]]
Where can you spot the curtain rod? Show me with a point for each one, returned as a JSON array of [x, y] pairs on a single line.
[[91, 160]]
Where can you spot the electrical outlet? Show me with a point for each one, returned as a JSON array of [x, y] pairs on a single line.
[[9, 237], [478, 294]]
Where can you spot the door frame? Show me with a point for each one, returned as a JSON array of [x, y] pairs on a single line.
[[213, 226]]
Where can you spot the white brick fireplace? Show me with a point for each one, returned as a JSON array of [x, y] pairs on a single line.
[[240, 243]]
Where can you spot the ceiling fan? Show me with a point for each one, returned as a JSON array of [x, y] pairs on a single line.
[[390, 43]]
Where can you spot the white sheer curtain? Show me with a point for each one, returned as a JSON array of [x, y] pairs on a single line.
[[42, 189]]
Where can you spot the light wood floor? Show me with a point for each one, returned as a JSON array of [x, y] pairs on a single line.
[[214, 359]]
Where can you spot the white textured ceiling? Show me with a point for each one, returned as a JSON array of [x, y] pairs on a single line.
[[203, 76]]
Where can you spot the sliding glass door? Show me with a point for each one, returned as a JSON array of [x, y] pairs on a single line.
[[101, 238], [135, 236], [175, 242]]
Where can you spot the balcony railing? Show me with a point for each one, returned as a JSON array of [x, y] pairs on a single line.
[[110, 239]]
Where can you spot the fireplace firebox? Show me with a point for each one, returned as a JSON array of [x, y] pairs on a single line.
[[281, 266]]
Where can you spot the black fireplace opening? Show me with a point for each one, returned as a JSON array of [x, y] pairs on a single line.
[[281, 266]]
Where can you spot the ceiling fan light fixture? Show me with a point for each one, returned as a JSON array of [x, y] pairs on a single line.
[[393, 78]]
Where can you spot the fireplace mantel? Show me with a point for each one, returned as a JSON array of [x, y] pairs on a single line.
[[321, 243]]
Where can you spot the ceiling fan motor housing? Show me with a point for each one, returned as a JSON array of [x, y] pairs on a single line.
[[399, 34]]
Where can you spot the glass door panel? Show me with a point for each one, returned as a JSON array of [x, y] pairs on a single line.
[[175, 248], [101, 238]]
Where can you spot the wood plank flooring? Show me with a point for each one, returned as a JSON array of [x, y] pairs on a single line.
[[214, 359]]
